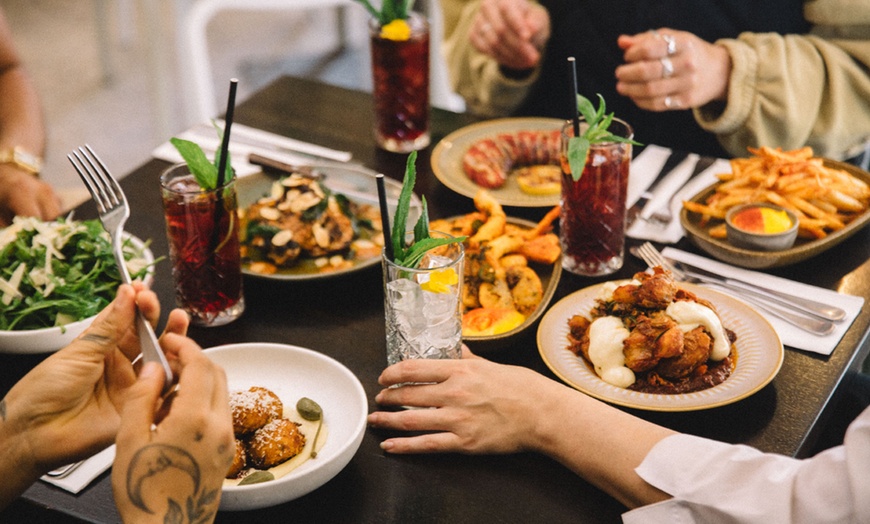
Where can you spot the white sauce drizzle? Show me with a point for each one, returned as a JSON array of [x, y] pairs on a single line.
[[690, 315], [606, 337]]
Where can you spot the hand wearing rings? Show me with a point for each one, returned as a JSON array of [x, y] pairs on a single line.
[[667, 67]]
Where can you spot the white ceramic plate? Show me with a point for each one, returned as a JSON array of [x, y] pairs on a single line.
[[448, 153], [49, 340], [357, 183], [293, 372], [759, 355]]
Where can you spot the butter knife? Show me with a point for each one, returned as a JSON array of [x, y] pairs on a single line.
[[812, 307], [674, 159]]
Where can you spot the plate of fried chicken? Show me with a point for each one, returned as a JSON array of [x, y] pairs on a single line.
[[652, 343]]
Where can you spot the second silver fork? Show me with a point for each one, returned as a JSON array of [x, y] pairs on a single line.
[[649, 254], [114, 211]]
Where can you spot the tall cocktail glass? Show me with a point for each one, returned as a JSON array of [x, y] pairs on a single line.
[[592, 220], [202, 227], [400, 74], [422, 305]]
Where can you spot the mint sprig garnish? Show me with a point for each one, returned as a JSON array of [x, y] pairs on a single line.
[[596, 133], [390, 10], [410, 255], [203, 171]]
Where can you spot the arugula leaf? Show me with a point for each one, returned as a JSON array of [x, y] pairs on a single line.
[[598, 124]]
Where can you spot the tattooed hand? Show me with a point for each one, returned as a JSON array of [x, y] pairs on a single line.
[[171, 468], [66, 408]]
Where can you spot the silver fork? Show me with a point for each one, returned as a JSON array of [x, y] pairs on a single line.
[[649, 254], [114, 211]]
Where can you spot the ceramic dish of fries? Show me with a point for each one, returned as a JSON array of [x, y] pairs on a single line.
[[512, 267], [830, 199]]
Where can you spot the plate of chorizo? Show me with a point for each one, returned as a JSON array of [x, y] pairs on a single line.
[[515, 159]]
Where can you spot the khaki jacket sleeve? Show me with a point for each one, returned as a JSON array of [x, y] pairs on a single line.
[[797, 90], [475, 76]]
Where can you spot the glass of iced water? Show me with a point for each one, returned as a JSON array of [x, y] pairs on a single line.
[[422, 305]]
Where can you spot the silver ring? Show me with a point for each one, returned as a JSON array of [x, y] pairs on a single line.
[[668, 102], [667, 67], [672, 44]]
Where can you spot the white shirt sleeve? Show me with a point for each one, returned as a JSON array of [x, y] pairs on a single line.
[[716, 482]]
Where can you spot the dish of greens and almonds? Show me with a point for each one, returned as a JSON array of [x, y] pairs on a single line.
[[313, 222], [56, 273]]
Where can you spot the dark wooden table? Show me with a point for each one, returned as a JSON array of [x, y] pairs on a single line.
[[343, 318]]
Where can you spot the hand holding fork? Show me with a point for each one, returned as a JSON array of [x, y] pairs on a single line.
[[114, 211]]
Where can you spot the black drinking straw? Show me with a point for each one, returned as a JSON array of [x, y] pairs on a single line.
[[222, 164], [572, 63], [228, 122], [385, 217]]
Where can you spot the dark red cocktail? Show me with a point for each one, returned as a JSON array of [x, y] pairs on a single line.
[[592, 221], [400, 74], [203, 232]]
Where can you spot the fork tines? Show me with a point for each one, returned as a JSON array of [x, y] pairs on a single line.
[[100, 183], [653, 258]]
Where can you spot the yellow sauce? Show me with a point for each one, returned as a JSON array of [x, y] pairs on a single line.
[[762, 220]]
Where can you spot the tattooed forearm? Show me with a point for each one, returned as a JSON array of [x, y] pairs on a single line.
[[156, 459]]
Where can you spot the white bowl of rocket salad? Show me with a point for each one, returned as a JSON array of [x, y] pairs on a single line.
[[55, 277]]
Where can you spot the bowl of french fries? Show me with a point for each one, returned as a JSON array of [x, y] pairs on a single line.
[[829, 199]]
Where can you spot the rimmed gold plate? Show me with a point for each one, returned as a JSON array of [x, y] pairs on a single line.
[[759, 355], [448, 153], [756, 259], [549, 276]]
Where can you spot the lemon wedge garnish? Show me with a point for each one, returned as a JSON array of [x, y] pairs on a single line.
[[397, 30], [440, 281]]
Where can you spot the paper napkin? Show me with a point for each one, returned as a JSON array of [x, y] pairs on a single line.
[[673, 232], [245, 140], [791, 335], [83, 475]]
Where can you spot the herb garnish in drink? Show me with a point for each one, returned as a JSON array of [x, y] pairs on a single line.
[[409, 255], [597, 132], [205, 172], [392, 17]]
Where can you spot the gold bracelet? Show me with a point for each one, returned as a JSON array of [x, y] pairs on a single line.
[[22, 159]]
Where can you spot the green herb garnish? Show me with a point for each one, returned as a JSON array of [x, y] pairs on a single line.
[[410, 255], [596, 133], [311, 411], [390, 10], [203, 171]]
